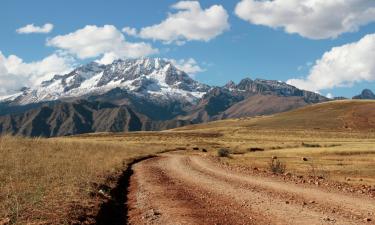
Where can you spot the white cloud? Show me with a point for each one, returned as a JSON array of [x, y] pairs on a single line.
[[342, 66], [189, 66], [92, 41], [15, 73], [31, 28], [190, 22], [315, 19], [130, 31], [330, 96]]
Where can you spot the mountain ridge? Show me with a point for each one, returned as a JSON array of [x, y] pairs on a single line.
[[151, 93]]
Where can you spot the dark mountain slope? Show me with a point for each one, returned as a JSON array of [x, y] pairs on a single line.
[[366, 94]]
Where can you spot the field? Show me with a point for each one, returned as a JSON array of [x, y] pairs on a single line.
[[54, 180], [57, 180]]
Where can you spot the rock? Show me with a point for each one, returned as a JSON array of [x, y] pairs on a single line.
[[274, 157], [5, 221], [286, 202], [287, 174], [328, 219], [304, 159], [367, 219]]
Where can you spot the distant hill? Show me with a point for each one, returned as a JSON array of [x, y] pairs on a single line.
[[366, 94], [346, 115]]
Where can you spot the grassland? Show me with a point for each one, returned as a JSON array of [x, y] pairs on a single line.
[[51, 180], [46, 180]]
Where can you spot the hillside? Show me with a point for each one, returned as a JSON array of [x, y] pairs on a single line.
[[346, 115]]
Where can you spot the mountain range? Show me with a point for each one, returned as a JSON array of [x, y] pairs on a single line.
[[137, 95]]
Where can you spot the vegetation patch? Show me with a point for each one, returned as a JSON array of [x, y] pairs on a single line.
[[276, 166], [255, 149], [223, 152], [308, 145]]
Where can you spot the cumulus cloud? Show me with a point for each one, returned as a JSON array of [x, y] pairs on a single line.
[[189, 66], [315, 19], [92, 41], [190, 22], [342, 66], [130, 31], [31, 28], [15, 73]]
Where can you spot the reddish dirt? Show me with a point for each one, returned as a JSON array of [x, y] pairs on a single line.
[[192, 189]]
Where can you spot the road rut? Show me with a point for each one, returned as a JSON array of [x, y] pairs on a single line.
[[191, 189]]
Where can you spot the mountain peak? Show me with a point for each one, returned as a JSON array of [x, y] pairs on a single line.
[[366, 94], [145, 77]]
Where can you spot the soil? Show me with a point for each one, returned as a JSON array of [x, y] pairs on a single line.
[[179, 188]]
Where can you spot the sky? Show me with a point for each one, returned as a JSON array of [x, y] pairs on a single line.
[[317, 45]]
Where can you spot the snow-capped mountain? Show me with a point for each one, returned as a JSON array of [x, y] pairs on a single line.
[[151, 78], [138, 94]]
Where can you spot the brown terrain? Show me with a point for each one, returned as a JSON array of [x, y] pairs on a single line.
[[326, 174], [193, 189]]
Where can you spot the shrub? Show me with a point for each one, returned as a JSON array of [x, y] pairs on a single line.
[[311, 145], [223, 152], [276, 166], [256, 149]]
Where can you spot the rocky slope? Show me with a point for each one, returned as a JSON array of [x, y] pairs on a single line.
[[250, 98], [63, 118]]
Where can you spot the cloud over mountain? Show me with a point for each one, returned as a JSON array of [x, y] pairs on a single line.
[[93, 41], [15, 73], [342, 66]]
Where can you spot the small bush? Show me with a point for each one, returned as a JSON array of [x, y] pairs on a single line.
[[223, 152], [311, 145], [256, 149], [276, 166]]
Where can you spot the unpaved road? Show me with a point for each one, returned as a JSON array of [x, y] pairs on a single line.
[[191, 189]]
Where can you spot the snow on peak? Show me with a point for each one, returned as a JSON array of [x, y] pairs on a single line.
[[147, 77]]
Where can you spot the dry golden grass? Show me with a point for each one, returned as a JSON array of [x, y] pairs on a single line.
[[42, 179], [337, 138]]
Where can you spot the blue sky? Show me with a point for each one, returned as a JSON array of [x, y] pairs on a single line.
[[243, 50]]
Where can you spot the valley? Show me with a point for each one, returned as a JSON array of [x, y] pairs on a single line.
[[331, 153]]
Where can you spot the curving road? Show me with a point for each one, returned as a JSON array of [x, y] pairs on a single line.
[[191, 189]]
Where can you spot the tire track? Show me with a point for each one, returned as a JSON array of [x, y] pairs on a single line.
[[182, 189]]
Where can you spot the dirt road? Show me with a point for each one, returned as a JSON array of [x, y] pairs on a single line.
[[191, 189]]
